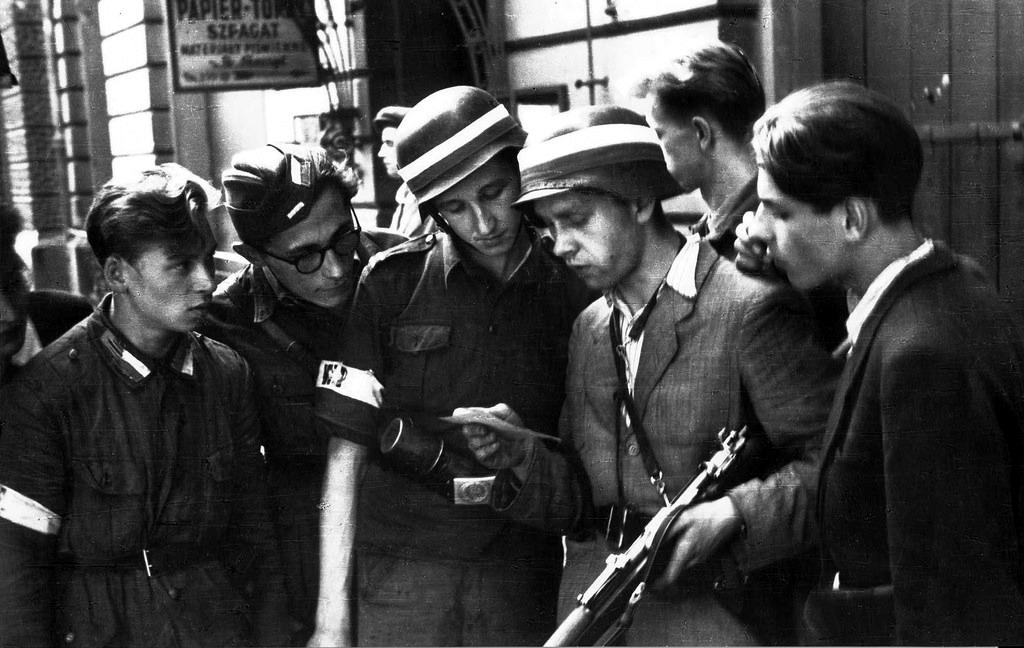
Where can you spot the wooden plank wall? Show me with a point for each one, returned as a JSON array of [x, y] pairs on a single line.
[[1010, 79], [971, 192]]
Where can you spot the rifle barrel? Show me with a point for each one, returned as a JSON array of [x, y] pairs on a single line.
[[572, 628]]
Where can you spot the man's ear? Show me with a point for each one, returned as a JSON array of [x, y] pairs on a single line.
[[859, 217], [643, 208], [115, 272], [705, 133], [249, 253]]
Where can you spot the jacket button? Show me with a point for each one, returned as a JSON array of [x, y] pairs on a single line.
[[69, 637], [73, 354], [174, 593], [633, 449]]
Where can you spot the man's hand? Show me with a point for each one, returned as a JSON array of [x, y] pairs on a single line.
[[699, 532], [751, 246], [490, 448]]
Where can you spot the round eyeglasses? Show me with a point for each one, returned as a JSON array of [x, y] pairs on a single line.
[[344, 243]]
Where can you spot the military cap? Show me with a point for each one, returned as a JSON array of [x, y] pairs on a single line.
[[271, 188], [450, 134], [604, 148], [389, 116]]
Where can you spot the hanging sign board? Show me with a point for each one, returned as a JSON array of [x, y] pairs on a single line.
[[243, 44]]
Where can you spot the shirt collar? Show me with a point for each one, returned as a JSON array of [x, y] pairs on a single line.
[[453, 257], [130, 363], [681, 277], [31, 346], [266, 291], [880, 285]]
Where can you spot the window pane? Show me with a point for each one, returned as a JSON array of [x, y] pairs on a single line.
[[131, 164], [131, 134], [128, 92], [116, 15], [124, 51], [283, 105]]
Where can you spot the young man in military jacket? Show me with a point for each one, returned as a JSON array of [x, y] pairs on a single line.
[[291, 207], [476, 314], [131, 506]]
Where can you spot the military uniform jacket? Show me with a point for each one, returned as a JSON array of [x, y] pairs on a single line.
[[921, 490], [114, 453], [284, 372], [742, 351], [439, 333]]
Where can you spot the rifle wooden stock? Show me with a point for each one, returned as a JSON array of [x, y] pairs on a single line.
[[605, 608]]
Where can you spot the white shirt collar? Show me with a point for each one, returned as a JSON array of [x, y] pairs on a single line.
[[681, 277], [878, 287]]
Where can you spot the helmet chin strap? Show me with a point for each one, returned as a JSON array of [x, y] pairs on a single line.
[[442, 224]]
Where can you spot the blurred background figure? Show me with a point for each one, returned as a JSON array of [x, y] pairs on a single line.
[[29, 319], [407, 218]]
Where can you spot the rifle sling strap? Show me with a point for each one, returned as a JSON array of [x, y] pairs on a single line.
[[623, 399]]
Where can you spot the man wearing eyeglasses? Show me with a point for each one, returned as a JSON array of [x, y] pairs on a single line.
[[291, 207]]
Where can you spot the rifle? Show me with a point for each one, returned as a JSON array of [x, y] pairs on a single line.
[[597, 615]]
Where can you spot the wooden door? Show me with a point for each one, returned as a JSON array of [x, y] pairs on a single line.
[[957, 68]]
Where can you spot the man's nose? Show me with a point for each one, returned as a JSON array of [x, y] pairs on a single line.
[[484, 219], [565, 244], [203, 278], [333, 266]]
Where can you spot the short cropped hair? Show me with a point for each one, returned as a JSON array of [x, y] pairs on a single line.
[[715, 78], [164, 205], [831, 141]]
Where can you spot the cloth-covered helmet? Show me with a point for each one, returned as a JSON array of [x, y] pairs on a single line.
[[450, 134], [271, 188], [603, 148]]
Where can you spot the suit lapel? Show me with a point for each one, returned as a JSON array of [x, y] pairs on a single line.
[[939, 260], [661, 335]]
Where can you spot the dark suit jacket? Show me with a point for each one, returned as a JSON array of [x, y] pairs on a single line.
[[921, 478]]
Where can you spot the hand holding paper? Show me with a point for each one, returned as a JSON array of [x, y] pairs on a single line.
[[495, 435]]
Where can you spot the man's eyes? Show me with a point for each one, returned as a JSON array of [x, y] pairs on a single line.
[[577, 219], [494, 191], [451, 207]]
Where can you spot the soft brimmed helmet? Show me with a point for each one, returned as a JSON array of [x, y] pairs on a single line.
[[449, 135], [603, 148]]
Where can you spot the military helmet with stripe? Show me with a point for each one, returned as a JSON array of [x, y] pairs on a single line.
[[603, 148], [449, 135]]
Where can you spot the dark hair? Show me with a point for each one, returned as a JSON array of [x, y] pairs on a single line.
[[389, 116], [714, 77], [835, 140], [162, 205], [13, 281]]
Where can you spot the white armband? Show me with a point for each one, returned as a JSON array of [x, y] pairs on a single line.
[[349, 382], [16, 508]]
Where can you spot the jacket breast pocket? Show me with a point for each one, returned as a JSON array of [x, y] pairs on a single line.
[[219, 468], [419, 373], [286, 411], [107, 507]]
